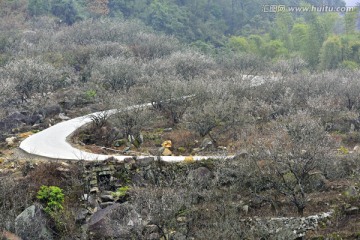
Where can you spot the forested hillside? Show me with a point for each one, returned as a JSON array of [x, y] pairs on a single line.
[[324, 40]]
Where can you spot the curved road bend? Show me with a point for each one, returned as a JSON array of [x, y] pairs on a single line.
[[52, 142]]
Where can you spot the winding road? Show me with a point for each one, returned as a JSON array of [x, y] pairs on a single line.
[[52, 142]]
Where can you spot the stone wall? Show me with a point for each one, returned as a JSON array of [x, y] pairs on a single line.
[[291, 227]]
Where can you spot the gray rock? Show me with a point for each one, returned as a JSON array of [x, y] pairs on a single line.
[[118, 221], [10, 141], [106, 204], [94, 190], [63, 117], [35, 119], [81, 216], [107, 198], [167, 130], [352, 211], [144, 162], [32, 224], [18, 117]]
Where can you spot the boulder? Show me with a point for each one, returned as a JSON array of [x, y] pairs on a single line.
[[10, 141], [13, 121], [32, 224], [63, 117], [35, 119], [18, 119], [118, 221]]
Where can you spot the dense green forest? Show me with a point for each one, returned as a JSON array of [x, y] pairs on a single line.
[[324, 40]]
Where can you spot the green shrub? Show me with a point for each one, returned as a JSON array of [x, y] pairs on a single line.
[[52, 197], [90, 94], [343, 150], [121, 192]]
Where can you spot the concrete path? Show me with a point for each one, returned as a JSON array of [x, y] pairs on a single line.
[[52, 142]]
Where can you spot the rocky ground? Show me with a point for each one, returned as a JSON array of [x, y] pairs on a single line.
[[147, 199], [121, 201]]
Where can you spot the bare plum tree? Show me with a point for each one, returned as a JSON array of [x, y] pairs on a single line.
[[33, 76], [169, 96], [189, 64], [235, 64], [117, 73], [297, 147], [214, 108]]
